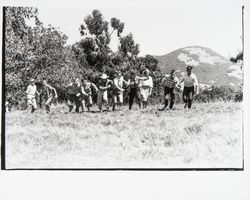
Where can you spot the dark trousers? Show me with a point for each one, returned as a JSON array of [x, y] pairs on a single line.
[[134, 93], [73, 99], [187, 96], [169, 91]]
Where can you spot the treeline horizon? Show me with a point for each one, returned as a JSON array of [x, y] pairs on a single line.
[[40, 52]]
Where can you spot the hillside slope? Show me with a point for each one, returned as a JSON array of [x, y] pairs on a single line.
[[210, 67]]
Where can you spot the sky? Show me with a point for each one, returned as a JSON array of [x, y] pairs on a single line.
[[159, 27]]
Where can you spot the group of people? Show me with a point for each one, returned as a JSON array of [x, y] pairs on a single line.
[[171, 82], [49, 93], [80, 93]]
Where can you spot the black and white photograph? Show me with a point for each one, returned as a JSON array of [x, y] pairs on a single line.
[[128, 86]]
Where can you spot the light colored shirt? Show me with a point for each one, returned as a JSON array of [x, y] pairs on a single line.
[[170, 82], [31, 91], [119, 82], [147, 83], [189, 81]]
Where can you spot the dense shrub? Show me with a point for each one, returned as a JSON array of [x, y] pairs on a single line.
[[221, 93]]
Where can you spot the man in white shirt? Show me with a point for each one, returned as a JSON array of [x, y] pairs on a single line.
[[190, 86], [31, 95]]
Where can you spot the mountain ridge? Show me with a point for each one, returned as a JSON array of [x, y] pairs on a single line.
[[210, 67]]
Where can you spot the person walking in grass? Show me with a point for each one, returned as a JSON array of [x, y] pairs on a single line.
[[104, 85], [146, 86], [74, 94], [89, 88], [170, 82], [50, 95], [118, 90], [31, 95], [80, 95], [190, 87], [134, 89]]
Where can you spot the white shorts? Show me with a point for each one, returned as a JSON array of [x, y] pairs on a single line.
[[145, 92], [32, 101]]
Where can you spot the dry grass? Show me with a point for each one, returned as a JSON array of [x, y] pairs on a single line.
[[209, 135]]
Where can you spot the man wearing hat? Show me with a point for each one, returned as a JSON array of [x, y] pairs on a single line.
[[31, 95], [190, 86], [102, 96], [169, 82]]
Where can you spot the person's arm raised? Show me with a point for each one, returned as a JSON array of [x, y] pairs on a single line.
[[179, 84], [117, 86], [195, 83], [83, 91], [94, 86], [144, 78], [28, 90], [52, 88]]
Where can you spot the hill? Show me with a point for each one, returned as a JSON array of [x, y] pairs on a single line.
[[210, 67]]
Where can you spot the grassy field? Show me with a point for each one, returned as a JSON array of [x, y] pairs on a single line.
[[208, 135]]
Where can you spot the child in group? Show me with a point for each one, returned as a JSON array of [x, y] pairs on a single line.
[[74, 94], [31, 95], [146, 86], [88, 88], [169, 82], [134, 90], [104, 85], [50, 93], [118, 90]]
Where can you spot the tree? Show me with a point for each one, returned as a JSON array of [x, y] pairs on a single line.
[[17, 49], [96, 40], [117, 25], [31, 52], [36, 51], [128, 48], [238, 58]]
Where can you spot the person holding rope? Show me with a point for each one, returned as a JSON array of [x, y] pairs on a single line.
[[169, 82], [190, 86], [50, 95]]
